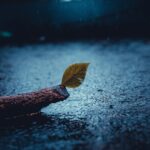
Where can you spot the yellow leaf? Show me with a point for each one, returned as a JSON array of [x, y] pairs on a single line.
[[74, 75]]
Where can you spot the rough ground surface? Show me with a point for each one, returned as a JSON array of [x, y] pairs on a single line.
[[110, 111]]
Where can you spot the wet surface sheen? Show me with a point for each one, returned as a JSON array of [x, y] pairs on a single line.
[[109, 111]]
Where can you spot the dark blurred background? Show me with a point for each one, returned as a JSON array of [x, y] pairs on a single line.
[[24, 21], [111, 110]]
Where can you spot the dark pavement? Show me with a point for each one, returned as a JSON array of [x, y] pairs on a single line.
[[110, 111]]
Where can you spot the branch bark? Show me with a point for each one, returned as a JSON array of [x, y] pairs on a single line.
[[27, 103]]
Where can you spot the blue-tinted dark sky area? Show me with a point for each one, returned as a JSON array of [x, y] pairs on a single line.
[[26, 16], [87, 10], [62, 11]]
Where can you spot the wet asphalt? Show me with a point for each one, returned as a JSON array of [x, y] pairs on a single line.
[[110, 111]]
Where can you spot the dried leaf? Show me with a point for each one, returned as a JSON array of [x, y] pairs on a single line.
[[74, 75]]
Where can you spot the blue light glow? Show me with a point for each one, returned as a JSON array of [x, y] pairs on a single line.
[[66, 0]]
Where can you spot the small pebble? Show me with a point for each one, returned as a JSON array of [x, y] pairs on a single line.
[[111, 106], [100, 90]]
